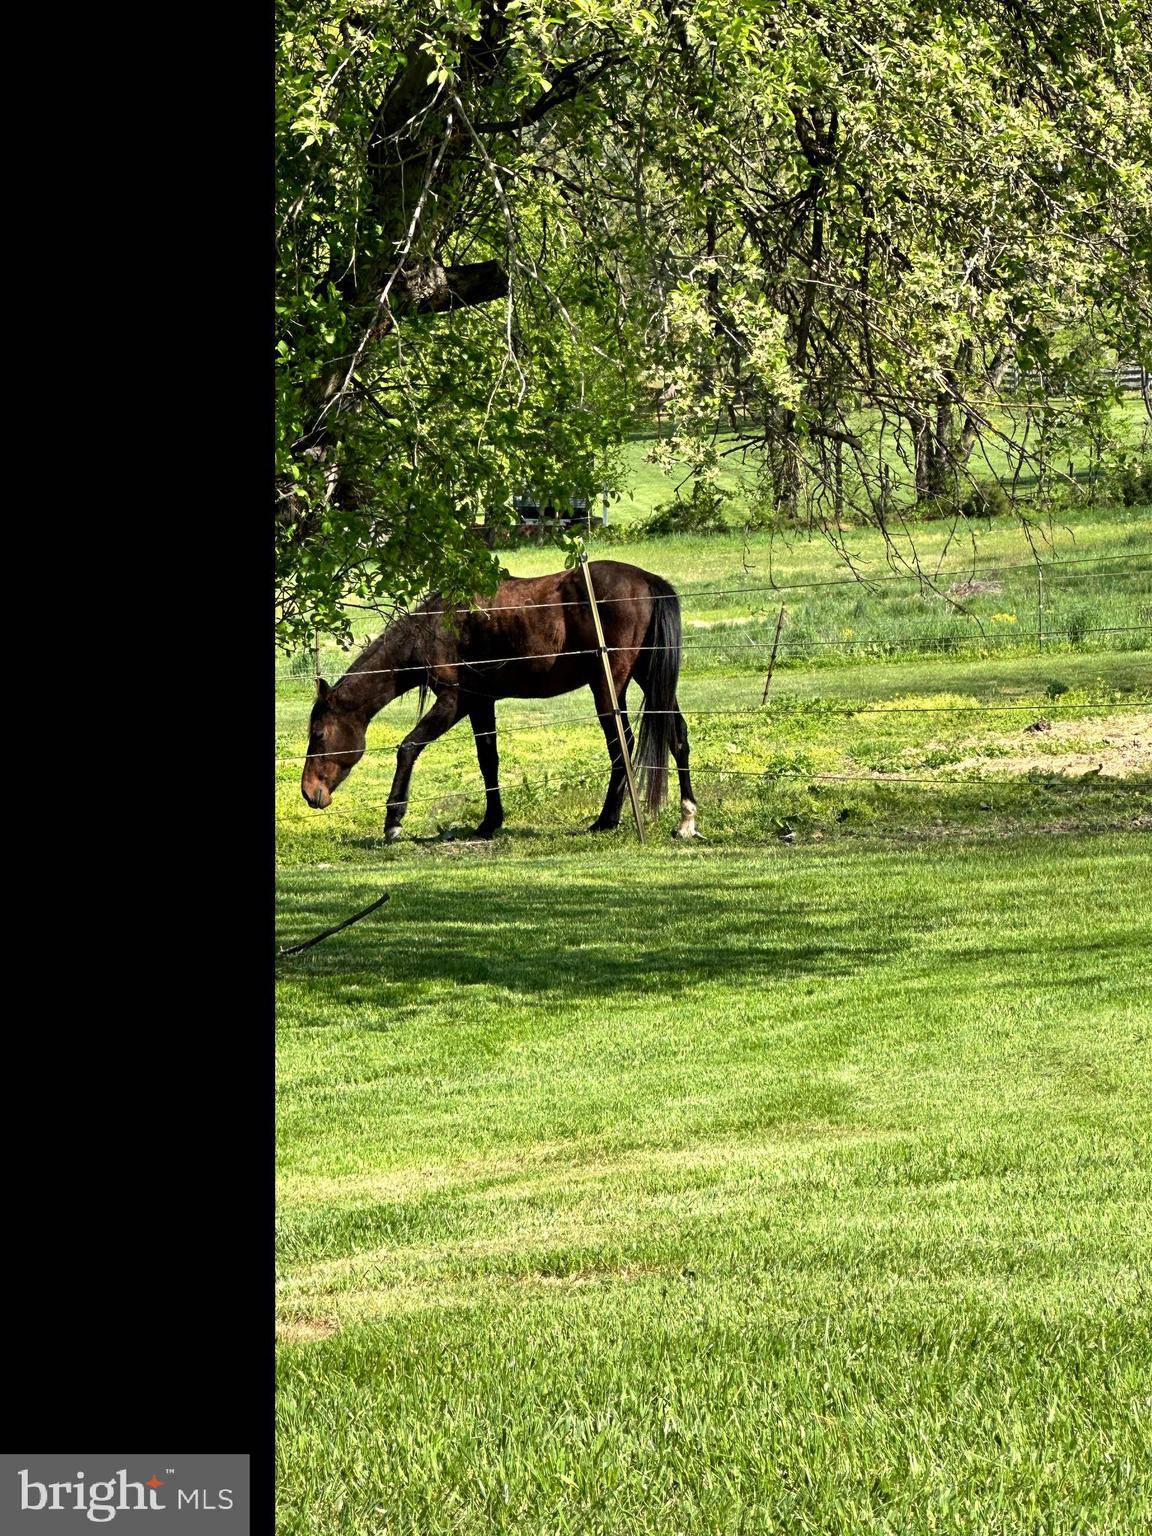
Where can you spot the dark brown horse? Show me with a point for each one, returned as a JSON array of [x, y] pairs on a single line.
[[533, 640]]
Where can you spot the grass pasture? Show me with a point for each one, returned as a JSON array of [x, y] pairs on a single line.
[[797, 1181], [646, 484]]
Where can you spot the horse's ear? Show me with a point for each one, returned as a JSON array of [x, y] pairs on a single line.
[[321, 689]]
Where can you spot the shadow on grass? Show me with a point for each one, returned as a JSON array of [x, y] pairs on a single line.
[[591, 939], [640, 926], [462, 837]]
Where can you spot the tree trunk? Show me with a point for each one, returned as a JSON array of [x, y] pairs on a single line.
[[922, 439], [940, 462]]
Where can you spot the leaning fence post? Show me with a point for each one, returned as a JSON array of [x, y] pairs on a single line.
[[608, 678], [772, 658]]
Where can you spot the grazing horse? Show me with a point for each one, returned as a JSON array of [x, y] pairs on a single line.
[[534, 639]]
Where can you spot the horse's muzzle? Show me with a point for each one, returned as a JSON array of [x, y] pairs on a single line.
[[319, 799]]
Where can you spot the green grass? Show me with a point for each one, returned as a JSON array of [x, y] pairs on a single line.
[[1097, 584], [701, 1191], [807, 761], [750, 1186], [646, 484], [1097, 596], [841, 640]]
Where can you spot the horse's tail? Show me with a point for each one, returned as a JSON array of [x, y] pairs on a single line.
[[661, 675]]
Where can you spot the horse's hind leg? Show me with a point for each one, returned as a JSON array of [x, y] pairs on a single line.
[[687, 827], [609, 817], [483, 714], [440, 718]]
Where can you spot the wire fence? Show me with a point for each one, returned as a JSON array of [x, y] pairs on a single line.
[[745, 646], [774, 777], [748, 644], [784, 775], [847, 711], [996, 633], [928, 580]]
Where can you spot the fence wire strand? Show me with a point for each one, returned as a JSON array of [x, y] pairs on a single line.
[[922, 578], [748, 644], [773, 776], [803, 644], [751, 712]]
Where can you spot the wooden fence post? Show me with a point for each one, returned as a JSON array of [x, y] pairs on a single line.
[[772, 658], [608, 678]]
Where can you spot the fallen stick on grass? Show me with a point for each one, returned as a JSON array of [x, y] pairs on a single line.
[[295, 949]]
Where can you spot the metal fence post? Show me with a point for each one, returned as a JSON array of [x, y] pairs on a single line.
[[1040, 606], [608, 678]]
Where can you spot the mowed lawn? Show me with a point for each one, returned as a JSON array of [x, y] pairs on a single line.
[[786, 1189], [757, 1185]]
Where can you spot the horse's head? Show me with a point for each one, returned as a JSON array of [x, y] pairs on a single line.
[[336, 736]]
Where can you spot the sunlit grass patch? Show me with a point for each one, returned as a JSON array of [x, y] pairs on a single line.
[[755, 1190]]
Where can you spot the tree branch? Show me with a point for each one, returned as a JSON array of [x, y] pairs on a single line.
[[438, 290], [567, 84]]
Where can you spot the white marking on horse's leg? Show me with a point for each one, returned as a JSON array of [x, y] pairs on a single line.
[[687, 827], [391, 834]]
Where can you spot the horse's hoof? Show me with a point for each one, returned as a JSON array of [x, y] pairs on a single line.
[[687, 827], [485, 834], [391, 834]]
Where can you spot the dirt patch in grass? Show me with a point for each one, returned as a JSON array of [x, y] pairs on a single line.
[[1111, 748], [304, 1330], [974, 588], [576, 1278]]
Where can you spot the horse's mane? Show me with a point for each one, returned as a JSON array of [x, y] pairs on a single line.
[[403, 642]]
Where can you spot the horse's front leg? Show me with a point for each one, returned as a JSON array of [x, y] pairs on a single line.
[[483, 714], [440, 718]]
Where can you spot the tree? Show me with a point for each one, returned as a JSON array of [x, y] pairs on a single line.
[[898, 213], [864, 220], [444, 337]]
